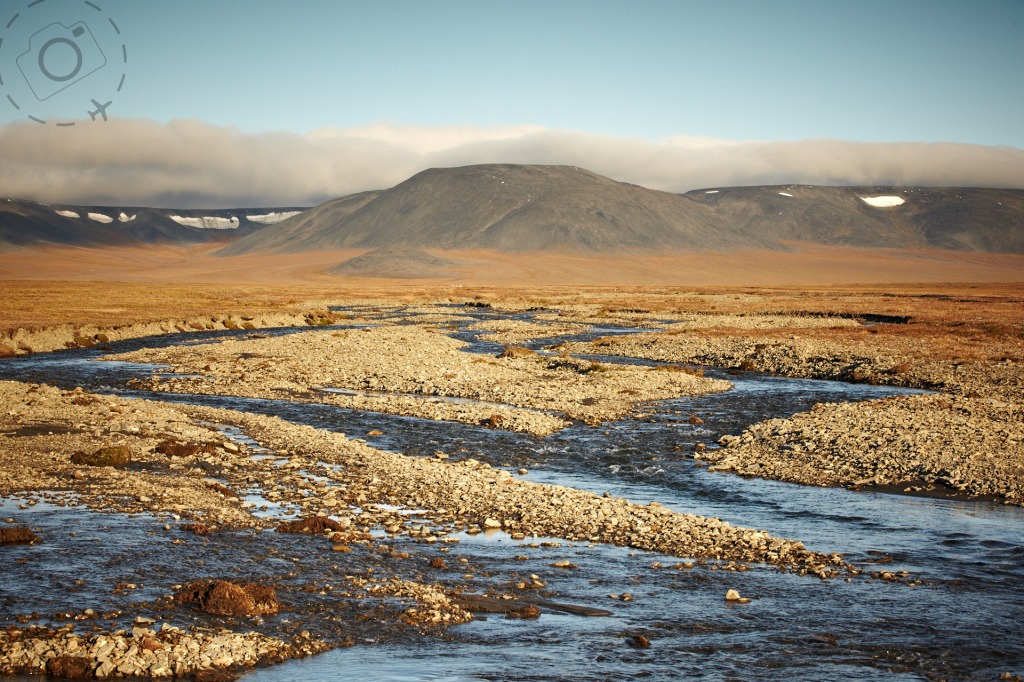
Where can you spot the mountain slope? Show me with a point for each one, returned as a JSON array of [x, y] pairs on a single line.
[[513, 208], [396, 262], [965, 219], [28, 223], [509, 208], [301, 232]]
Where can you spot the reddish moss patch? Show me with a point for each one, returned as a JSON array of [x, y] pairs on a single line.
[[69, 667], [18, 535], [315, 525], [110, 456], [173, 448], [224, 598]]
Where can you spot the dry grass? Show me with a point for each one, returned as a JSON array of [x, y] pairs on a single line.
[[692, 371], [35, 305], [956, 322]]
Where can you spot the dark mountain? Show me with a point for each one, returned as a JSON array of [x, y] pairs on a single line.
[[525, 208], [964, 218], [301, 232], [26, 223], [508, 208], [561, 208]]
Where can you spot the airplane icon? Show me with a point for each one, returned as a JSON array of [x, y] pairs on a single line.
[[100, 109]]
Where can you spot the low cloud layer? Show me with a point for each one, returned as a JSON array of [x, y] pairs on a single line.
[[189, 164]]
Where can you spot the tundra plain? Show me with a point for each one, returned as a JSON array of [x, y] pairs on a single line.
[[963, 341]]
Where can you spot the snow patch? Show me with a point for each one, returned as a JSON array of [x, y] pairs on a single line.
[[100, 217], [711, 191], [68, 214], [785, 194], [883, 202], [125, 218], [207, 222], [273, 217]]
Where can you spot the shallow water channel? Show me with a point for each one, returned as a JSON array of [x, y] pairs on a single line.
[[964, 621]]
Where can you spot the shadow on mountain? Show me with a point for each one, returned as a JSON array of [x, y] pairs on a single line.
[[397, 262]]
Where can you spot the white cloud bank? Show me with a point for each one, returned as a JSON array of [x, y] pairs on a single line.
[[186, 164]]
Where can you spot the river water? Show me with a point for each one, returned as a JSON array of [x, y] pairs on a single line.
[[965, 620]]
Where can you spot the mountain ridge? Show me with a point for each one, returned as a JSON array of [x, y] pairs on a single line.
[[537, 208], [30, 223], [523, 208], [510, 208]]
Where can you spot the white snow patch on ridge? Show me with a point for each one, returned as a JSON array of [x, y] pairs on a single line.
[[273, 217], [208, 222], [100, 217], [785, 194], [711, 191], [884, 202], [68, 214], [124, 217]]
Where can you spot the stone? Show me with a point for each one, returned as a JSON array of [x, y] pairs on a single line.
[[69, 667], [19, 535], [527, 612], [224, 490], [151, 644], [734, 597], [639, 642], [223, 598]]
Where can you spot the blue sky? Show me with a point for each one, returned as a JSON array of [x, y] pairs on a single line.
[[788, 71]]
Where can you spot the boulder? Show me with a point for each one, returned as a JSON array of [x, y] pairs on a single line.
[[69, 667], [224, 598], [20, 535]]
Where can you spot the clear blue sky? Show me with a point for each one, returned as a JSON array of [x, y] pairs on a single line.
[[891, 71]]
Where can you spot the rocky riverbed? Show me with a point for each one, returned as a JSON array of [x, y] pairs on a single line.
[[178, 464], [147, 650], [194, 473], [974, 446], [202, 471], [394, 366], [969, 438]]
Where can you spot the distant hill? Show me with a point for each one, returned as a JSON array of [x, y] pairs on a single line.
[[27, 223], [508, 208], [960, 218], [520, 208], [536, 208], [397, 262]]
